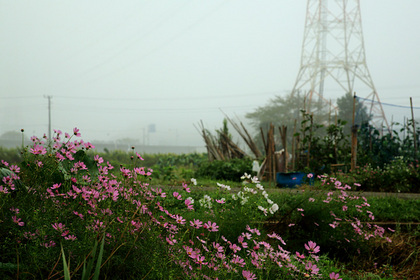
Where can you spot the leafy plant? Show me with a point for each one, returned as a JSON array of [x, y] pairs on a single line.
[[225, 169]]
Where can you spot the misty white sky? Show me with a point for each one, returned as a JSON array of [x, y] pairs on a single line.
[[115, 67]]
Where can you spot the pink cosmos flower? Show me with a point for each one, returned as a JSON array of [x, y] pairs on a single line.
[[276, 236], [160, 193], [200, 260], [76, 132], [177, 195], [49, 244], [70, 237], [189, 205], [241, 241], [14, 168], [179, 219], [78, 214], [89, 146], [335, 276], [312, 268], [59, 156], [248, 275], [56, 186], [98, 159], [16, 210], [211, 226], [221, 201], [139, 156], [218, 247], [196, 223], [38, 150], [190, 252], [59, 227], [311, 247], [235, 248], [17, 221], [238, 260], [310, 175], [300, 256]]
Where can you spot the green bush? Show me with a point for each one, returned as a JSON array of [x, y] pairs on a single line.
[[12, 155], [397, 176], [225, 169]]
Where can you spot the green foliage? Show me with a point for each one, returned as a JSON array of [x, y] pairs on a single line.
[[173, 168], [345, 112], [225, 169], [396, 176], [378, 148], [12, 155], [326, 145]]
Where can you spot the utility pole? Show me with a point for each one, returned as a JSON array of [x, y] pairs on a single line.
[[49, 97], [333, 55]]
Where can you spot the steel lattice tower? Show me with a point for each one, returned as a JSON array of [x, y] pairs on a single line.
[[333, 53]]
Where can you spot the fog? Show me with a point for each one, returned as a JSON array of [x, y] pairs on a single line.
[[114, 69]]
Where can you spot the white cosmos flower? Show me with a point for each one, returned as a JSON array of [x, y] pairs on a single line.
[[244, 200], [269, 201], [265, 194], [263, 210], [245, 176], [224, 186], [273, 209], [259, 186]]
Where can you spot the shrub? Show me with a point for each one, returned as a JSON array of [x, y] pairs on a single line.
[[231, 170]]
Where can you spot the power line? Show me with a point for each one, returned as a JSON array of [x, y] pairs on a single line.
[[162, 45]]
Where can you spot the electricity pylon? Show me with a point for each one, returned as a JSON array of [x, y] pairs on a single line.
[[333, 54]]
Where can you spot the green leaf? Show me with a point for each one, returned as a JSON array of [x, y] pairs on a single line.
[[66, 268], [99, 262]]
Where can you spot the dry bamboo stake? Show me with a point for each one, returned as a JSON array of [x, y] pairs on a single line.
[[263, 139], [414, 127]]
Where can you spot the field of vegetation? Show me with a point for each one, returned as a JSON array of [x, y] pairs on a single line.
[[69, 213]]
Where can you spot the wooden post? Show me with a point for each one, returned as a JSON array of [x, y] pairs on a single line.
[[294, 147], [283, 135], [329, 115], [308, 156], [414, 128], [353, 137]]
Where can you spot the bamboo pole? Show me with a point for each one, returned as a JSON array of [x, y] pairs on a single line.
[[414, 128], [353, 137]]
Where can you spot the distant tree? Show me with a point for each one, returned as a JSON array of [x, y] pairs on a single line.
[[345, 112], [284, 110], [12, 135]]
